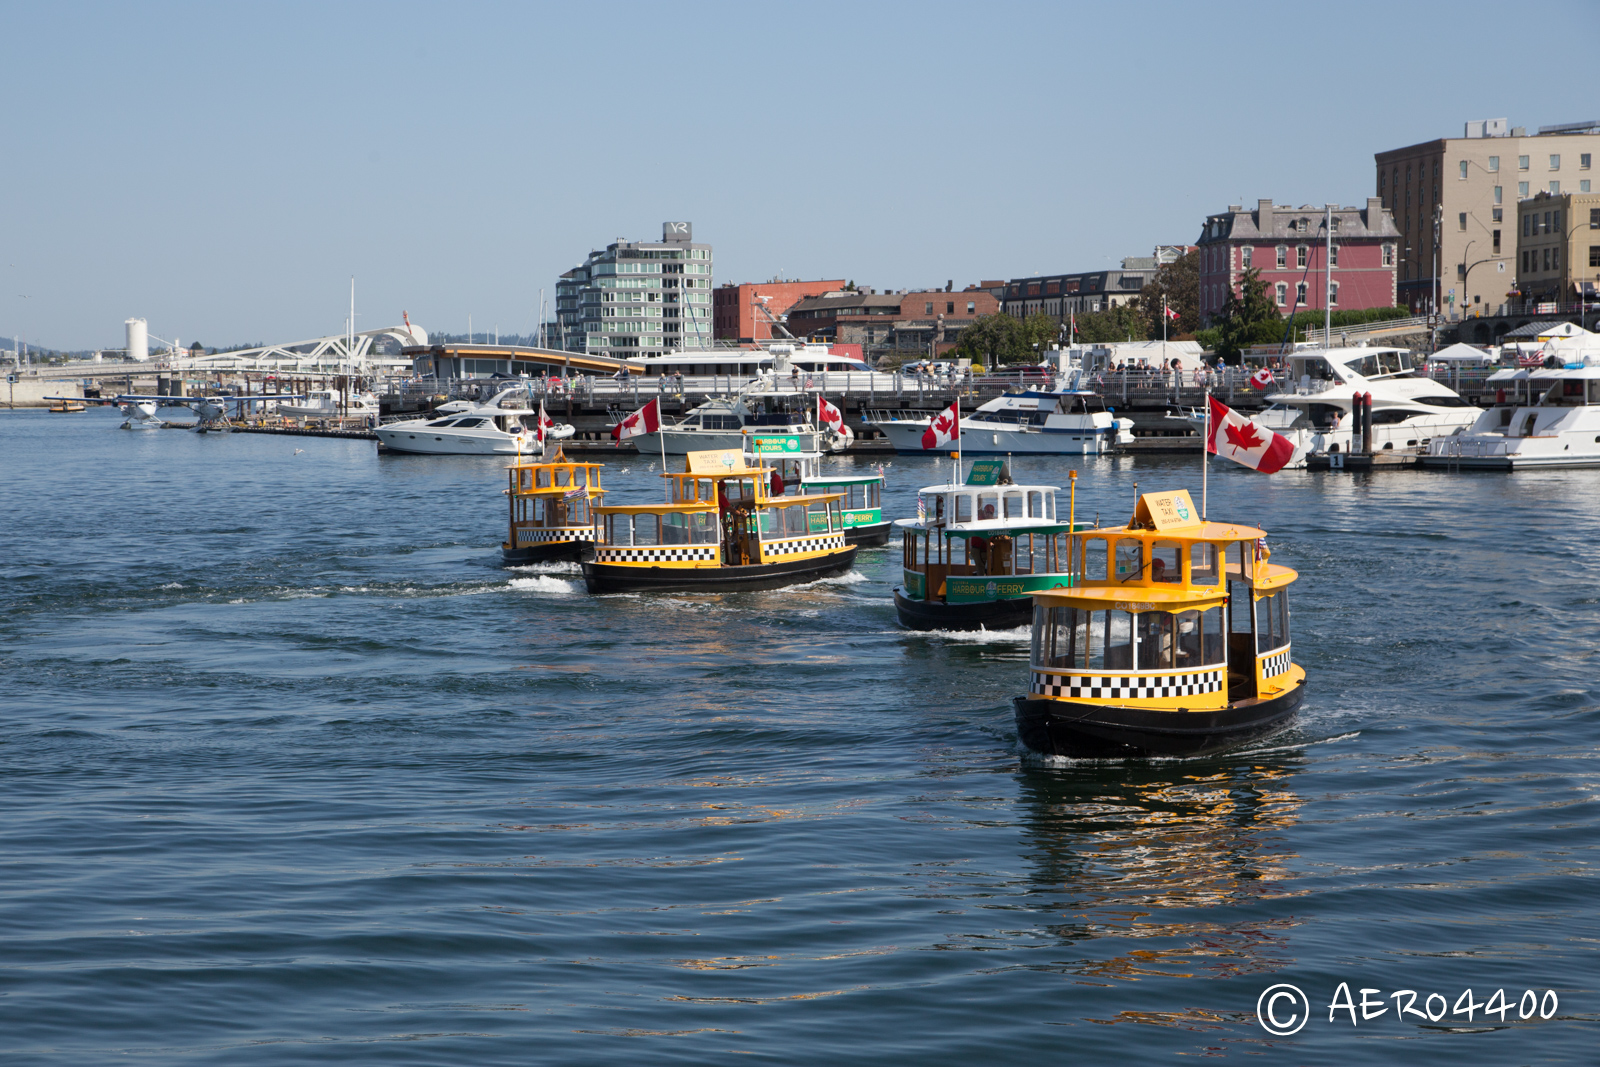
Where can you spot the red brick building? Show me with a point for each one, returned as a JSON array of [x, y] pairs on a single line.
[[744, 313], [1289, 247], [884, 322]]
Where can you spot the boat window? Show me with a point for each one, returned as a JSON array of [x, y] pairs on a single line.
[[1116, 643], [465, 423], [1073, 639], [1035, 504], [1156, 633], [988, 505], [577, 512], [1130, 559], [1050, 506], [675, 529], [619, 530], [1200, 639], [858, 496], [874, 494], [1203, 564], [1013, 505], [963, 507], [1166, 562], [442, 422], [647, 530], [1022, 554], [836, 515], [563, 476], [817, 516], [1272, 623], [1094, 559]]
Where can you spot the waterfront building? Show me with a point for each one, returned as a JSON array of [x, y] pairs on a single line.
[[1455, 201], [1288, 247], [1558, 247], [745, 313], [905, 321], [639, 298], [1064, 295]]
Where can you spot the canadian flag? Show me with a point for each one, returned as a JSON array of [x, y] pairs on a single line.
[[1246, 442], [545, 423], [1169, 312], [946, 426], [1262, 379], [646, 420], [828, 415]]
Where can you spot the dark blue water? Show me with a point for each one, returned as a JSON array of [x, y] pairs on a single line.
[[291, 771]]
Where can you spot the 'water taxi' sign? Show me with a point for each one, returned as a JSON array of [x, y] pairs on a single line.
[[763, 446], [1166, 511], [986, 471]]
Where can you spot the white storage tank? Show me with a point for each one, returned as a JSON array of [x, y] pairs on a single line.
[[138, 339]]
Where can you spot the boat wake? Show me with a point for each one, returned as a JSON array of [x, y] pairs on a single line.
[[544, 583], [1021, 635]]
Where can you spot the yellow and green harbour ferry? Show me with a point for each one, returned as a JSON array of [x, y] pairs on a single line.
[[978, 552], [860, 495], [722, 529], [551, 517], [1173, 640]]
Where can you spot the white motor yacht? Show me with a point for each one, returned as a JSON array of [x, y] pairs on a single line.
[[1407, 411], [327, 404], [501, 426], [1550, 419], [1034, 422]]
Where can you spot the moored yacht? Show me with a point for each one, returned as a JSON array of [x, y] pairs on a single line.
[[503, 425], [1314, 413], [1033, 422], [329, 404], [1555, 423]]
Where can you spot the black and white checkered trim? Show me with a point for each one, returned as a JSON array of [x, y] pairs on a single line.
[[541, 535], [1127, 687], [1275, 663], [669, 554], [804, 544]]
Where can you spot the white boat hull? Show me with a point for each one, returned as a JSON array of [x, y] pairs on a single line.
[[434, 441], [906, 437]]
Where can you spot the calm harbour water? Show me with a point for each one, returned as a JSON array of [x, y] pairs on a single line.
[[294, 772]]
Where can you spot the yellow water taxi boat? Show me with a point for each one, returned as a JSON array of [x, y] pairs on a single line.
[[551, 516], [722, 529], [1173, 641], [67, 407]]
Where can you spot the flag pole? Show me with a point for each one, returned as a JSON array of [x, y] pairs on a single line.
[[661, 435], [958, 440], [1205, 450]]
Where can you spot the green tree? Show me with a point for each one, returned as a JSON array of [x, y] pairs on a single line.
[[994, 339], [1122, 322], [1039, 332], [1178, 283], [1248, 317]]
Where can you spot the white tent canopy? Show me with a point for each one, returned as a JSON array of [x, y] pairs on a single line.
[[1460, 353]]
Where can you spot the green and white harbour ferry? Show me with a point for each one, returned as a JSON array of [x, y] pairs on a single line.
[[801, 472], [978, 552]]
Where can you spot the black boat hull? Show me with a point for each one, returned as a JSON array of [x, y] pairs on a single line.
[[990, 615], [614, 578], [876, 534], [553, 552], [1058, 728]]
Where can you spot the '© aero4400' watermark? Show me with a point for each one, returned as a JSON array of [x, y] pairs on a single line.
[[1283, 1009]]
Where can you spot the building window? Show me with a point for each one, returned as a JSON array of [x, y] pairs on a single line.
[[1244, 257], [1283, 293], [1546, 259], [1462, 220], [1283, 259], [1462, 175], [1300, 253], [1496, 215], [1555, 258], [927, 309], [1383, 181], [1555, 162], [1555, 188], [971, 307], [1461, 271], [1594, 218], [1497, 242], [1583, 186], [1333, 294], [1522, 162], [1583, 161], [1333, 255], [1388, 255], [1333, 224], [1522, 190], [1497, 191], [949, 307], [1300, 294], [1594, 255], [1494, 163]]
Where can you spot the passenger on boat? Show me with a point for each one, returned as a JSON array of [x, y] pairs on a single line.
[[777, 482]]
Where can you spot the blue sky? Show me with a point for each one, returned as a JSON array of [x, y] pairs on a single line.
[[223, 169]]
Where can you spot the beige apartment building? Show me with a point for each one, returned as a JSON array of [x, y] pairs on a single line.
[[1458, 197], [1558, 247]]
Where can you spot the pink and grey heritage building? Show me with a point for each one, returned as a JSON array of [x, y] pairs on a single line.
[[1289, 247]]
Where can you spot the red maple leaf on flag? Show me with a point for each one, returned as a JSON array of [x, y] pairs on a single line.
[[1244, 436]]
